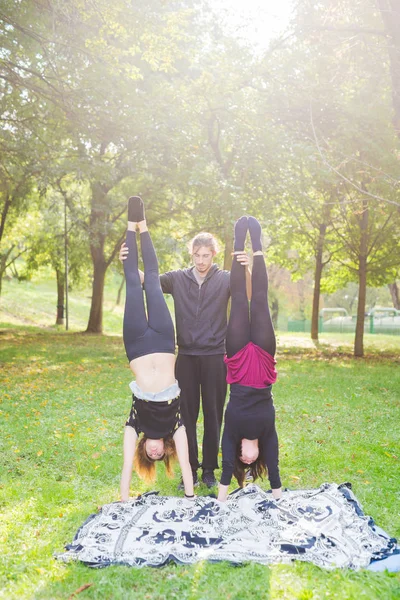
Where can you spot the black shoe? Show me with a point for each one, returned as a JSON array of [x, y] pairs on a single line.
[[241, 227], [209, 479], [135, 209], [181, 487]]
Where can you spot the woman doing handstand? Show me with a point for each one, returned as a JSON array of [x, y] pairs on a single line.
[[150, 347], [249, 439]]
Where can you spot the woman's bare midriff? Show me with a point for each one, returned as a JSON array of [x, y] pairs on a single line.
[[154, 372]]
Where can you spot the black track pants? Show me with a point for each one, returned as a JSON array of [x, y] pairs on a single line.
[[205, 377]]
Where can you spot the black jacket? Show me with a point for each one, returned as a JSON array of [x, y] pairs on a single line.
[[200, 311]]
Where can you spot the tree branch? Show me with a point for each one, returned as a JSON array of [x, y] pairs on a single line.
[[354, 185]]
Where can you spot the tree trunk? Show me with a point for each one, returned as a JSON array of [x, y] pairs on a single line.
[[95, 324], [317, 282], [362, 282], [121, 287], [228, 249], [3, 264], [275, 312], [98, 221], [394, 292], [316, 296], [3, 260], [319, 266], [60, 297], [4, 213]]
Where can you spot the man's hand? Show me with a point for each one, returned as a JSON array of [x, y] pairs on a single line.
[[242, 258], [123, 253]]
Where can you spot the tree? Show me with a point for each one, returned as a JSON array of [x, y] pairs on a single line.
[[135, 53], [45, 246], [338, 106], [19, 170]]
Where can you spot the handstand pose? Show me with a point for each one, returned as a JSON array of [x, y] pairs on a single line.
[[250, 439], [150, 347]]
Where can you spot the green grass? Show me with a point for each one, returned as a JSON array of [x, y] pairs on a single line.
[[340, 344], [33, 304], [64, 400]]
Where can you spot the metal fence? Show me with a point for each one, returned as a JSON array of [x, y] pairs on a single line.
[[378, 320]]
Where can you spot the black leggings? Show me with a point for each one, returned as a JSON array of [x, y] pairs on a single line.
[[257, 326], [145, 334]]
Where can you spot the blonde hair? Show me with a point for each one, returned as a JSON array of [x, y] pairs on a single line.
[[203, 239], [145, 466]]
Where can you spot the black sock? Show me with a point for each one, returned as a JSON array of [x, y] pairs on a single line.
[[135, 209], [240, 234], [255, 234]]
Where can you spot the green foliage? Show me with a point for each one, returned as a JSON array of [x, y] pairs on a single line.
[[100, 101]]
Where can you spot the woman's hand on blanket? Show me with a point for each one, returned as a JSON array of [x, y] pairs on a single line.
[[277, 493], [129, 498], [222, 492], [190, 498], [123, 253], [242, 258]]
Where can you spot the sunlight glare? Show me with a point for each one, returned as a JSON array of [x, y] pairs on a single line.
[[254, 21]]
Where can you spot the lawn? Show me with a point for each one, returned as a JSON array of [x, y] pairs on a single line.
[[64, 399], [31, 303]]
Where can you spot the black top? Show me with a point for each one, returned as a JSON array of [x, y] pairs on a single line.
[[250, 415], [155, 419], [200, 311]]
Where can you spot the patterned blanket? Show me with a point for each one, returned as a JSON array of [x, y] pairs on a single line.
[[325, 526]]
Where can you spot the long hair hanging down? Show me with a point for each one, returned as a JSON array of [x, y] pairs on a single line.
[[258, 468], [145, 466]]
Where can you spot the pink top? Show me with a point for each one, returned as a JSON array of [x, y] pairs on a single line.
[[251, 366]]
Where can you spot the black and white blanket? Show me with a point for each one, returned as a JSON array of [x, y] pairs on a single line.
[[325, 526]]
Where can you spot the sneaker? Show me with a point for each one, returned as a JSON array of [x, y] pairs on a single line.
[[209, 479], [181, 487]]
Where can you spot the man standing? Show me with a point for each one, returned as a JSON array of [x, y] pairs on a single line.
[[201, 295]]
